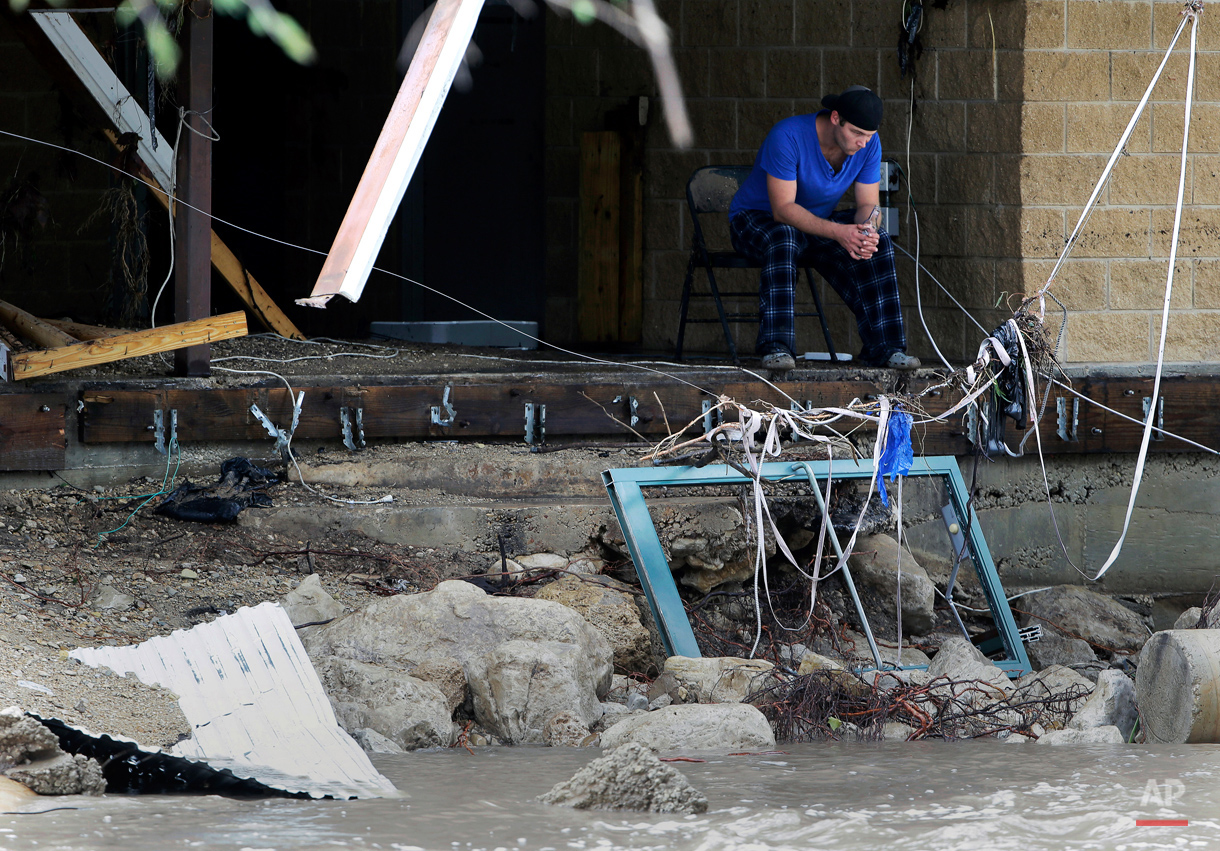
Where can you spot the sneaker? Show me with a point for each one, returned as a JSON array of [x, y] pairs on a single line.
[[901, 360], [779, 361]]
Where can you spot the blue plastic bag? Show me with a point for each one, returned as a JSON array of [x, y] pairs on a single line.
[[897, 457]]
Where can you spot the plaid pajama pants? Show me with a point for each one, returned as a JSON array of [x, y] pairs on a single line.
[[868, 287]]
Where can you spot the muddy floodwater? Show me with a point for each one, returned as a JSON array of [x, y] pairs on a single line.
[[925, 795]]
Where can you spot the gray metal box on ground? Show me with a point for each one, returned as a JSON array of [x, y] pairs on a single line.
[[474, 332]]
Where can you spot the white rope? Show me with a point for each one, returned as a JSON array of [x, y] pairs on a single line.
[[1173, 256]]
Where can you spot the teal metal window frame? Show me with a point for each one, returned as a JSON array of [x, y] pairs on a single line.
[[626, 486]]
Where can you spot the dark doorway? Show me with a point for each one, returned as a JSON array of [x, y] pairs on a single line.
[[481, 192], [295, 141]]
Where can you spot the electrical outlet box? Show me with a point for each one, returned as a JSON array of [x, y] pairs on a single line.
[[889, 221], [889, 176]]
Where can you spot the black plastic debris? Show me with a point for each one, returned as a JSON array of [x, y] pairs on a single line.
[[242, 484], [132, 769]]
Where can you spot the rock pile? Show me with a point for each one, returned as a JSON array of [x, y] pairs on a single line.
[[30, 755], [630, 777]]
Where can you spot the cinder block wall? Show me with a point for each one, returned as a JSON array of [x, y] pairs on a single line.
[[1017, 103], [1088, 63]]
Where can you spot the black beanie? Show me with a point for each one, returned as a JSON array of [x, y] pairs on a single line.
[[856, 105]]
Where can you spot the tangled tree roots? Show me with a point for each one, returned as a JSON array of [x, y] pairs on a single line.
[[836, 705]]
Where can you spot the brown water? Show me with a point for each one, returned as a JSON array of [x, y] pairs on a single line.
[[967, 796]]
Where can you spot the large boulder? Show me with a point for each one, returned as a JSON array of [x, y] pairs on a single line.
[[1082, 613], [629, 777], [1177, 686], [310, 603], [610, 608], [1055, 648], [725, 679], [519, 685], [409, 712], [1112, 704], [961, 661], [695, 727], [876, 563], [459, 621]]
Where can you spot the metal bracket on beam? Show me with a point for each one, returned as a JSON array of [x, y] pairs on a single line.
[[1160, 415], [283, 437], [1065, 431], [350, 440], [158, 428], [708, 425], [535, 424], [450, 413]]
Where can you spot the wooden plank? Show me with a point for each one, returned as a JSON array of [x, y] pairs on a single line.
[[597, 290], [631, 240], [397, 151], [193, 225], [164, 339], [32, 431], [29, 326], [81, 331], [238, 277]]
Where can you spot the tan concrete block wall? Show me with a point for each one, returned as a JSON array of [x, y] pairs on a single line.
[[1094, 59]]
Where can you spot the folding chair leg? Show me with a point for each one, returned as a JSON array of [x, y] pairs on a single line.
[[724, 320], [690, 277], [817, 305]]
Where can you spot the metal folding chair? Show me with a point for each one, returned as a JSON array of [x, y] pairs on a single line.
[[711, 190]]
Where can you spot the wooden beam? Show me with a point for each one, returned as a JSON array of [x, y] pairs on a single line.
[[597, 288], [32, 328], [397, 152], [193, 225], [32, 431], [81, 331], [167, 338], [494, 407]]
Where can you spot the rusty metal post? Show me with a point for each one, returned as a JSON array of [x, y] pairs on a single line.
[[193, 227]]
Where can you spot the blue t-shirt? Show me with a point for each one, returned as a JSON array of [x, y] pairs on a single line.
[[791, 151]]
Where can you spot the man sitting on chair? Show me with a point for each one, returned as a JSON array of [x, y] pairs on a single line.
[[784, 217]]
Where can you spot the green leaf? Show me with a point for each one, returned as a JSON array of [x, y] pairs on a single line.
[[126, 14], [834, 723], [584, 11], [294, 41], [163, 49]]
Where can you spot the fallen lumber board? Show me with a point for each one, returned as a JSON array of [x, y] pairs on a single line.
[[135, 344], [81, 331], [397, 152], [32, 328]]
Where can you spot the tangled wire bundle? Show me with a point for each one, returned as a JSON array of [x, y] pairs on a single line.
[[836, 704]]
